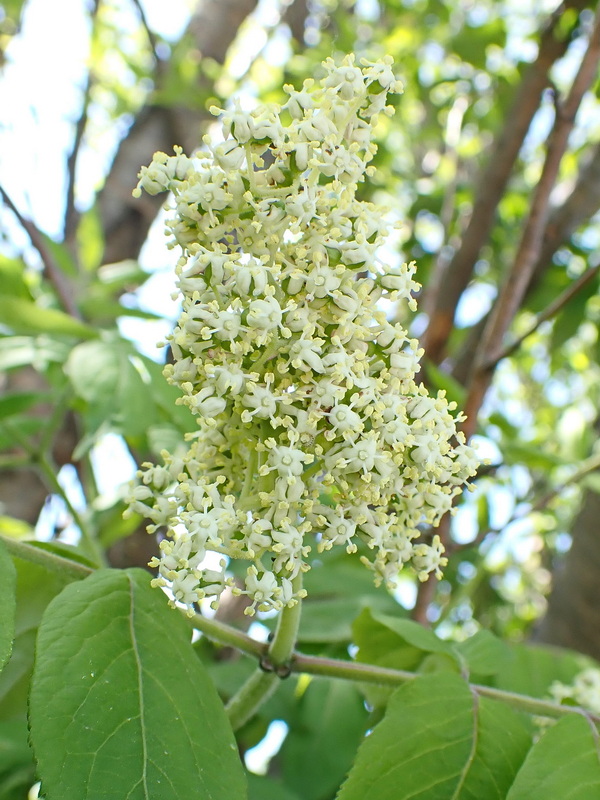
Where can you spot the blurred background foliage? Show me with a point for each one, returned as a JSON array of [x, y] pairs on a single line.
[[84, 296]]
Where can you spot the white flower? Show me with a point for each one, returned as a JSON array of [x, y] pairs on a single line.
[[301, 386]]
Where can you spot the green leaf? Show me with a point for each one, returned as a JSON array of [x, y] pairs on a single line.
[[106, 375], [331, 725], [483, 652], [439, 742], [120, 705], [565, 764], [532, 669], [395, 642], [8, 604], [261, 787], [38, 352], [12, 278], [17, 402], [35, 588], [24, 316]]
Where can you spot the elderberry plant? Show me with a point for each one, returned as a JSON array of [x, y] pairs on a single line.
[[312, 431]]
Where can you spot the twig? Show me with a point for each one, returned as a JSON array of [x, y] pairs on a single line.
[[450, 279], [153, 41], [53, 271], [559, 303], [71, 216], [519, 277]]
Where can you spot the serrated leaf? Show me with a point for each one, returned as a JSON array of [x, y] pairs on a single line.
[[8, 604], [24, 316], [565, 764], [120, 705], [439, 742]]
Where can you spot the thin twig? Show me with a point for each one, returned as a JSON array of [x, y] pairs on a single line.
[[519, 277], [71, 216], [53, 271], [152, 39], [557, 305]]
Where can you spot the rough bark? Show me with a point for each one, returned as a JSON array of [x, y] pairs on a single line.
[[573, 616]]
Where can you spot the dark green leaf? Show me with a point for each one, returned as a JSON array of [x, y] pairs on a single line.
[[439, 742], [120, 705]]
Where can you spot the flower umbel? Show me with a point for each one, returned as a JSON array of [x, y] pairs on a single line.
[[311, 428]]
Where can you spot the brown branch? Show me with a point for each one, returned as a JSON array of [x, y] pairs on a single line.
[[557, 305], [52, 270], [451, 279], [521, 273], [126, 221]]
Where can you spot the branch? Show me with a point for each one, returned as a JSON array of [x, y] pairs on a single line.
[[451, 279], [275, 664], [557, 305], [52, 270], [126, 222], [521, 273]]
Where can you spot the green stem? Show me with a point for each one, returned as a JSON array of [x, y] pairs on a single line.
[[227, 635], [45, 558], [277, 663], [89, 543], [250, 697], [369, 673], [286, 634], [41, 460]]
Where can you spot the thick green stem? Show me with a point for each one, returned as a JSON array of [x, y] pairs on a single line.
[[250, 697], [275, 665], [45, 558], [286, 634]]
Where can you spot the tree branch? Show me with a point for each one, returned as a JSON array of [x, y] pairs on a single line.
[[451, 279], [521, 273]]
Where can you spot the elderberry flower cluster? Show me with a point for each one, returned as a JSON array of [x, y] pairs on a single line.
[[312, 431], [584, 691]]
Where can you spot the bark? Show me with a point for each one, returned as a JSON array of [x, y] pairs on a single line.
[[126, 221], [573, 615]]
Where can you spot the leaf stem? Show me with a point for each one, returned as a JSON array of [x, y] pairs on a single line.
[[228, 636], [370, 673], [35, 554]]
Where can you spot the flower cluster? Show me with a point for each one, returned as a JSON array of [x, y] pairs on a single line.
[[312, 430], [584, 691]]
